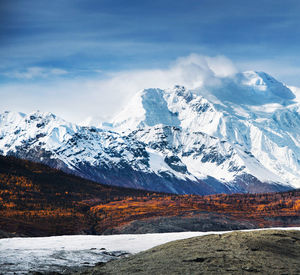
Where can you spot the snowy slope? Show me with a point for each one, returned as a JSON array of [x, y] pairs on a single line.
[[40, 134], [201, 154], [239, 135], [162, 158], [252, 112], [22, 255]]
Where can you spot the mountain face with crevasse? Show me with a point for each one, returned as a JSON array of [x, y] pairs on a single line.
[[239, 134]]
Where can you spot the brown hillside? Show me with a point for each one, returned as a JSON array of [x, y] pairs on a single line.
[[36, 200]]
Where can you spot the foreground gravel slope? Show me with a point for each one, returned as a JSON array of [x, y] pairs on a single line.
[[255, 252]]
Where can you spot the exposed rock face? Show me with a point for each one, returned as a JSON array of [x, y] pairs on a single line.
[[256, 252]]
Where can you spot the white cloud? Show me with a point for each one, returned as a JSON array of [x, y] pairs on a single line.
[[75, 100], [35, 72]]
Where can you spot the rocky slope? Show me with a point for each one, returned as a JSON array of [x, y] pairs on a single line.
[[255, 252], [238, 135]]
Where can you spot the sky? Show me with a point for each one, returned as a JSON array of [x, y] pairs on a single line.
[[80, 58]]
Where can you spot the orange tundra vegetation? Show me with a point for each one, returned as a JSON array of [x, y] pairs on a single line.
[[36, 200]]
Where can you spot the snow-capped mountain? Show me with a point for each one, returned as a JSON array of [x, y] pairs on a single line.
[[252, 112], [240, 134]]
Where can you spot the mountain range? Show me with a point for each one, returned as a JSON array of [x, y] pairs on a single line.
[[236, 134]]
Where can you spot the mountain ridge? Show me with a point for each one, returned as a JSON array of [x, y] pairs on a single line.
[[175, 140]]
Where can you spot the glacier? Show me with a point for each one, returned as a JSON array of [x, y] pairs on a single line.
[[69, 253]]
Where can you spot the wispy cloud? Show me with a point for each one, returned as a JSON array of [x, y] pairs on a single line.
[[116, 35], [35, 72], [104, 94], [76, 99]]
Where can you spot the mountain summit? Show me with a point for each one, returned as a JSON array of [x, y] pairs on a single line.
[[239, 134]]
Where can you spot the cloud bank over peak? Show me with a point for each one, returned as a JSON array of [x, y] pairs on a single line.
[[78, 98], [192, 71]]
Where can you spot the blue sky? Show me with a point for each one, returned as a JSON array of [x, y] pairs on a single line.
[[51, 43]]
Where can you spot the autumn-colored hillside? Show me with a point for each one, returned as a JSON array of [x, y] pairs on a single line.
[[262, 210], [36, 200]]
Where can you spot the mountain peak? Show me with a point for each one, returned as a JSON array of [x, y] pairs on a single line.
[[147, 108], [38, 115], [179, 89], [12, 116], [263, 82], [249, 88]]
